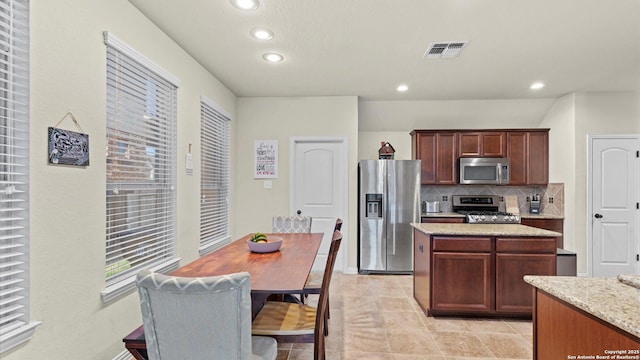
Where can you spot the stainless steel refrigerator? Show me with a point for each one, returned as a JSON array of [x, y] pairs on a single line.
[[388, 202]]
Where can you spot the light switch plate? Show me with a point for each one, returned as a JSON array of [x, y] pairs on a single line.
[[268, 184]]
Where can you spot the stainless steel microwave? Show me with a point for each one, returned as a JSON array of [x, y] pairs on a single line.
[[484, 171]]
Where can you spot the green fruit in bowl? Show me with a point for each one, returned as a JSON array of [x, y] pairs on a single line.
[[259, 237]]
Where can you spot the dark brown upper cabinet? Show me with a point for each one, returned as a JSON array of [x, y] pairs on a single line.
[[438, 153], [482, 144], [439, 150], [528, 153]]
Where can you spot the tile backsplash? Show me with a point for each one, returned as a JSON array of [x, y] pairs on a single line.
[[551, 196]]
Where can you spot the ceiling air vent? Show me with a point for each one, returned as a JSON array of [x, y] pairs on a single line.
[[444, 49]]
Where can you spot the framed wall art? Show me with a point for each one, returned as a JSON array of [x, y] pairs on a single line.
[[68, 147], [265, 159]]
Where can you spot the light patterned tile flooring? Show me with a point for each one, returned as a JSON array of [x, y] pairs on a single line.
[[375, 317]]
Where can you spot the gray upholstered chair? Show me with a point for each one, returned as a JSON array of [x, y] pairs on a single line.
[[291, 224], [200, 318]]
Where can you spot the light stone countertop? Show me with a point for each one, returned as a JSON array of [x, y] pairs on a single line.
[[442, 214], [482, 229], [541, 216], [605, 298]]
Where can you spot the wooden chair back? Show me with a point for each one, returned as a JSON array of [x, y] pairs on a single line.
[[323, 301]]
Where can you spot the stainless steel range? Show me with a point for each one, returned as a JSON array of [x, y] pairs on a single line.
[[483, 209]]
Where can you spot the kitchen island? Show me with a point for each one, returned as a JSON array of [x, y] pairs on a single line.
[[478, 269], [588, 317]]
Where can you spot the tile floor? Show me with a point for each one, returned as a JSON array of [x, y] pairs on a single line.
[[375, 317]]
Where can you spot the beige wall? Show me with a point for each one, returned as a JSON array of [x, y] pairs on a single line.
[[571, 119], [280, 119], [597, 113], [561, 120], [369, 143], [68, 73]]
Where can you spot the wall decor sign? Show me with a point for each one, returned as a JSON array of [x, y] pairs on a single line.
[[68, 147], [265, 159]]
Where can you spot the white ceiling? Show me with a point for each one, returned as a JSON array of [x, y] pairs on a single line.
[[367, 47]]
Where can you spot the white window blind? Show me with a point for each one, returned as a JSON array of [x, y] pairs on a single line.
[[141, 165], [15, 326], [214, 176]]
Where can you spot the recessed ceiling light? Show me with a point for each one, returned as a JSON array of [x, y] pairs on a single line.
[[402, 88], [272, 57], [536, 85], [246, 4], [262, 34]]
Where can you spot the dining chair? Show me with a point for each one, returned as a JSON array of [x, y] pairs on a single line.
[[314, 283], [291, 224], [200, 318], [294, 322]]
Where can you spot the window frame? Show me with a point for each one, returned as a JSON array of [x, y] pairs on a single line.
[[16, 327], [141, 168], [215, 146]]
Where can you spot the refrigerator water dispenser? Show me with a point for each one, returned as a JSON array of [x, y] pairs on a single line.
[[373, 206]]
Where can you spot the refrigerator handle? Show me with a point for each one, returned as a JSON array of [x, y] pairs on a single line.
[[393, 244], [391, 196]]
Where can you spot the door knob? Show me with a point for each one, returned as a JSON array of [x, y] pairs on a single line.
[[598, 216], [299, 212]]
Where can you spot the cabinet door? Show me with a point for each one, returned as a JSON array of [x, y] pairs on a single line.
[[446, 145], [517, 153], [425, 151], [494, 144], [421, 266], [528, 153], [538, 158], [437, 152], [482, 143], [462, 282], [470, 144], [513, 295]]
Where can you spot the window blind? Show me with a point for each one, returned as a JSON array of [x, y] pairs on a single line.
[[140, 164], [214, 176], [15, 326]]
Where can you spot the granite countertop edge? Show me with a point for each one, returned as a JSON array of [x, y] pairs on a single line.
[[442, 214], [522, 216], [605, 298], [541, 216], [482, 229]]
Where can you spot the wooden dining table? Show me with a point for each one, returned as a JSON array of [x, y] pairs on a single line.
[[281, 272]]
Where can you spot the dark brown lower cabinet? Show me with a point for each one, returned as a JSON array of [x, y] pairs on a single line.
[[513, 295], [462, 282], [479, 275]]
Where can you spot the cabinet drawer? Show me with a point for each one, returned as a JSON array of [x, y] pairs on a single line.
[[528, 245], [466, 244]]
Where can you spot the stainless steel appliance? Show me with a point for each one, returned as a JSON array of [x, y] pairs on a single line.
[[483, 209], [388, 202], [566, 263], [483, 171]]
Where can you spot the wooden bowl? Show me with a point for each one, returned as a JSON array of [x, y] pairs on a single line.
[[273, 244]]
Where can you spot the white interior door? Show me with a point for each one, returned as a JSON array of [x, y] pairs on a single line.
[[615, 218], [319, 189]]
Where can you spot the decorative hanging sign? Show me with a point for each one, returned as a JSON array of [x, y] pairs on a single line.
[[265, 159], [68, 147]]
